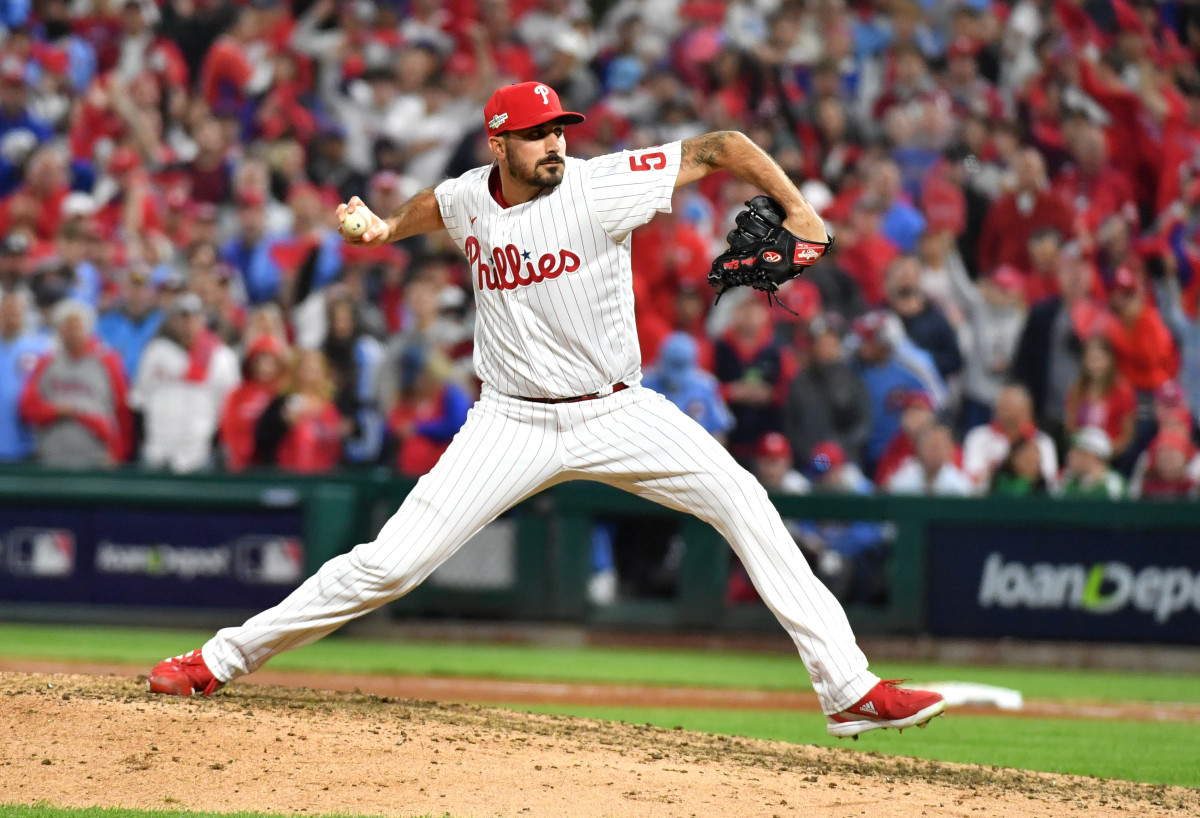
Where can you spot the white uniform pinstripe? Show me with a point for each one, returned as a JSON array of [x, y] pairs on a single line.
[[554, 295]]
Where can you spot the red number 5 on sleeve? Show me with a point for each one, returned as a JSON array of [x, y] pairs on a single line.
[[648, 161]]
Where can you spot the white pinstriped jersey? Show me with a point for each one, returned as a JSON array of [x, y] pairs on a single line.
[[553, 277]]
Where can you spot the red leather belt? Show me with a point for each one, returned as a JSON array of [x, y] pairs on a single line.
[[617, 387]]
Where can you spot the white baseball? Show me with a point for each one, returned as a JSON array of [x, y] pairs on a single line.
[[355, 224]]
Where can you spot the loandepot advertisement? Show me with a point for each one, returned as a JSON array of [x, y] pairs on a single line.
[[214, 558], [1071, 584]]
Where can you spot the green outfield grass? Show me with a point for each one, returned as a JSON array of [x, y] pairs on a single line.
[[664, 667], [41, 811], [1152, 752]]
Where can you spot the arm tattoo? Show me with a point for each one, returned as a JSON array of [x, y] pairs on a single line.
[[704, 150], [403, 210]]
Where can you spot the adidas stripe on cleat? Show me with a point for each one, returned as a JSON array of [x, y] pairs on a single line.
[[887, 706]]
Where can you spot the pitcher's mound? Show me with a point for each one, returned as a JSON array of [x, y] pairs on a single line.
[[85, 741]]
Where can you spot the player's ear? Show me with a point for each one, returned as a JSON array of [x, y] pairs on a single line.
[[498, 146]]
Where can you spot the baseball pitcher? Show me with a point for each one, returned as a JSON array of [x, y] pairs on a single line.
[[546, 237]]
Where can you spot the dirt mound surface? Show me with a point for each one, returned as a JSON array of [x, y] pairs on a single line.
[[82, 741]]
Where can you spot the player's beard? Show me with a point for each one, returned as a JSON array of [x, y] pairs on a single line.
[[540, 175]]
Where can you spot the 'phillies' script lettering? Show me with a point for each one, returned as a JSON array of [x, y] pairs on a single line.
[[507, 272]]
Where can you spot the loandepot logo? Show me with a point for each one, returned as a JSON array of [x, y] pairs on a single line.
[[1099, 588], [255, 559], [163, 560]]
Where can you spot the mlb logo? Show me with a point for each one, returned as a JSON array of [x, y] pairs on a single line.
[[40, 552], [268, 560]]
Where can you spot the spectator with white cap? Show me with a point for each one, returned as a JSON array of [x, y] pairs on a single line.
[[1087, 473], [15, 149], [182, 381], [14, 250]]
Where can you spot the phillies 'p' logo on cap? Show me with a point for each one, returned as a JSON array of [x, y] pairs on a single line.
[[525, 105]]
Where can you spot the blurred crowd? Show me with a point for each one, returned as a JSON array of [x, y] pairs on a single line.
[[1012, 305]]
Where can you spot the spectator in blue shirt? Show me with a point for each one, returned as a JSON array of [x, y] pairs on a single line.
[[19, 354], [888, 383], [902, 223], [249, 252], [14, 103], [129, 326], [676, 376]]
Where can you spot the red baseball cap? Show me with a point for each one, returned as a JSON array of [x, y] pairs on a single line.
[[827, 456], [1169, 393], [870, 327], [917, 398], [773, 444], [1008, 278], [962, 47], [1125, 280], [123, 160], [524, 105], [250, 197]]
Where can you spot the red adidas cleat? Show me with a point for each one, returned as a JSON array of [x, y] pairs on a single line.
[[184, 676], [887, 706]]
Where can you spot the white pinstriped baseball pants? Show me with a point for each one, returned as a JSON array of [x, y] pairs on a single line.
[[510, 449]]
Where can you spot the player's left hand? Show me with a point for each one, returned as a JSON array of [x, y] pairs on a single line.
[[377, 232]]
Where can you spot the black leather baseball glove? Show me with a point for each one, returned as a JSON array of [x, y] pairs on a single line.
[[763, 254]]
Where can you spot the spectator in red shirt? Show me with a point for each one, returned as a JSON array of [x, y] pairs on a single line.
[[1167, 476], [1101, 396], [830, 140], [667, 252], [864, 253], [1090, 185], [1045, 255], [1144, 349], [916, 418], [140, 49], [227, 70], [1014, 217], [47, 183], [969, 92], [264, 369], [911, 81], [210, 173], [136, 209], [301, 430], [429, 410]]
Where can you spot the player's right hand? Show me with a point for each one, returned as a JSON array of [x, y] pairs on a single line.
[[377, 232]]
